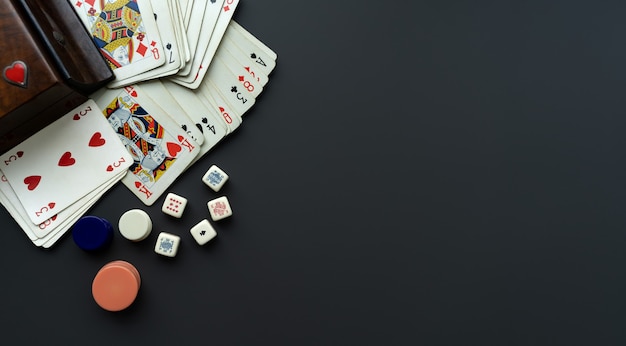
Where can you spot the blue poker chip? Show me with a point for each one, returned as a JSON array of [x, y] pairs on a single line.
[[92, 233], [107, 224]]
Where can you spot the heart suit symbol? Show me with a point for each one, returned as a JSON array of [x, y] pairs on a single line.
[[173, 149], [66, 159], [32, 181], [16, 74], [96, 140]]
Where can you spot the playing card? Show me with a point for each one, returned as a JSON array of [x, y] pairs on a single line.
[[46, 233], [214, 101], [171, 49], [230, 53], [213, 129], [157, 92], [199, 66], [186, 7], [238, 90], [246, 78], [259, 54], [43, 229], [199, 34], [63, 162], [126, 33], [161, 150], [58, 232], [6, 203], [181, 31]]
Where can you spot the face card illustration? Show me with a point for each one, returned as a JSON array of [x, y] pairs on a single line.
[[126, 33], [160, 149], [63, 162], [171, 49]]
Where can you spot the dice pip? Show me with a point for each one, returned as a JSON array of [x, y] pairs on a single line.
[[174, 205]]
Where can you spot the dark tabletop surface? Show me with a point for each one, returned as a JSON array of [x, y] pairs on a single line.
[[414, 173]]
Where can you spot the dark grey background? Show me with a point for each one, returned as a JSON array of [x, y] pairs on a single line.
[[415, 173]]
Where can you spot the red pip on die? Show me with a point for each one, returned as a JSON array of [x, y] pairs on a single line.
[[174, 205]]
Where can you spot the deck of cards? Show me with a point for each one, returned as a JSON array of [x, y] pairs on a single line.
[[185, 74]]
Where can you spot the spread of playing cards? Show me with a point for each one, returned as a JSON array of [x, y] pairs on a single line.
[[185, 75]]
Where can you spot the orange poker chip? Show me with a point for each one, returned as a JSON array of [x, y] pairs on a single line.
[[116, 285]]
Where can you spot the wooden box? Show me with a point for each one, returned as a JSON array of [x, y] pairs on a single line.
[[49, 65]]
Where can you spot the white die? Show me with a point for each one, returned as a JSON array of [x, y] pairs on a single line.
[[219, 208], [215, 178], [174, 205], [203, 232], [167, 244]]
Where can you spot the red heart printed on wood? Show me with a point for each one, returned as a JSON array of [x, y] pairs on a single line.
[[16, 74], [66, 159], [96, 140], [32, 181]]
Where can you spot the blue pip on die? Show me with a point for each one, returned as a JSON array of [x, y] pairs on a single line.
[[215, 178]]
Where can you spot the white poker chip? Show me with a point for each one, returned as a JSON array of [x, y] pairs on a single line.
[[135, 225]]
